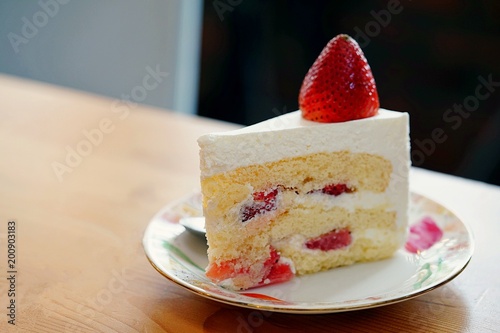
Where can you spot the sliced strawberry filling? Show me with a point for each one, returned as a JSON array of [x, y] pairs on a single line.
[[274, 270], [334, 189], [333, 240], [262, 203], [225, 270], [266, 201], [278, 271]]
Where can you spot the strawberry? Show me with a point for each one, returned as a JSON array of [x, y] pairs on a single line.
[[279, 273], [334, 189], [276, 270], [333, 240], [273, 271], [263, 202], [339, 86], [224, 270]]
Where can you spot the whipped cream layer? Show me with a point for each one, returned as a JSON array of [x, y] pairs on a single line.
[[289, 135]]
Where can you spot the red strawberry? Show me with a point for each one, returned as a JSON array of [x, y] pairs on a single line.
[[274, 270], [339, 86], [277, 271], [333, 240], [280, 272], [224, 270], [263, 202], [334, 189]]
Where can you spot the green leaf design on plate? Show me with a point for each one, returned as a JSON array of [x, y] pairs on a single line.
[[426, 271], [175, 250]]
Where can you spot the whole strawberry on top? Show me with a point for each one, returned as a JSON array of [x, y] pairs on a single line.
[[339, 86]]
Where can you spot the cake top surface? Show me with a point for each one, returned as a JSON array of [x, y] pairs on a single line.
[[290, 135], [294, 120]]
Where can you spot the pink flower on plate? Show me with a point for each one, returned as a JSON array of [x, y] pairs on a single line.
[[423, 235]]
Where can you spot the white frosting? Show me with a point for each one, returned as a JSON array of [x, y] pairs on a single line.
[[289, 135]]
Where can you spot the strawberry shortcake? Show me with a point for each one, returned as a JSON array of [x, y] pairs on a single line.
[[314, 189]]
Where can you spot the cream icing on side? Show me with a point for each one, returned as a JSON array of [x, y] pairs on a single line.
[[290, 135]]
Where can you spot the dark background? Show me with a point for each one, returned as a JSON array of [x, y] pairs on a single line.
[[428, 58]]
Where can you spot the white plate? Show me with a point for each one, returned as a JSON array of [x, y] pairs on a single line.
[[181, 257]]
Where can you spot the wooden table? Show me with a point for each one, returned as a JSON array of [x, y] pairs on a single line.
[[81, 176]]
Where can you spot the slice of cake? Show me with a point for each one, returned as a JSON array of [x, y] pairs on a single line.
[[299, 193]]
